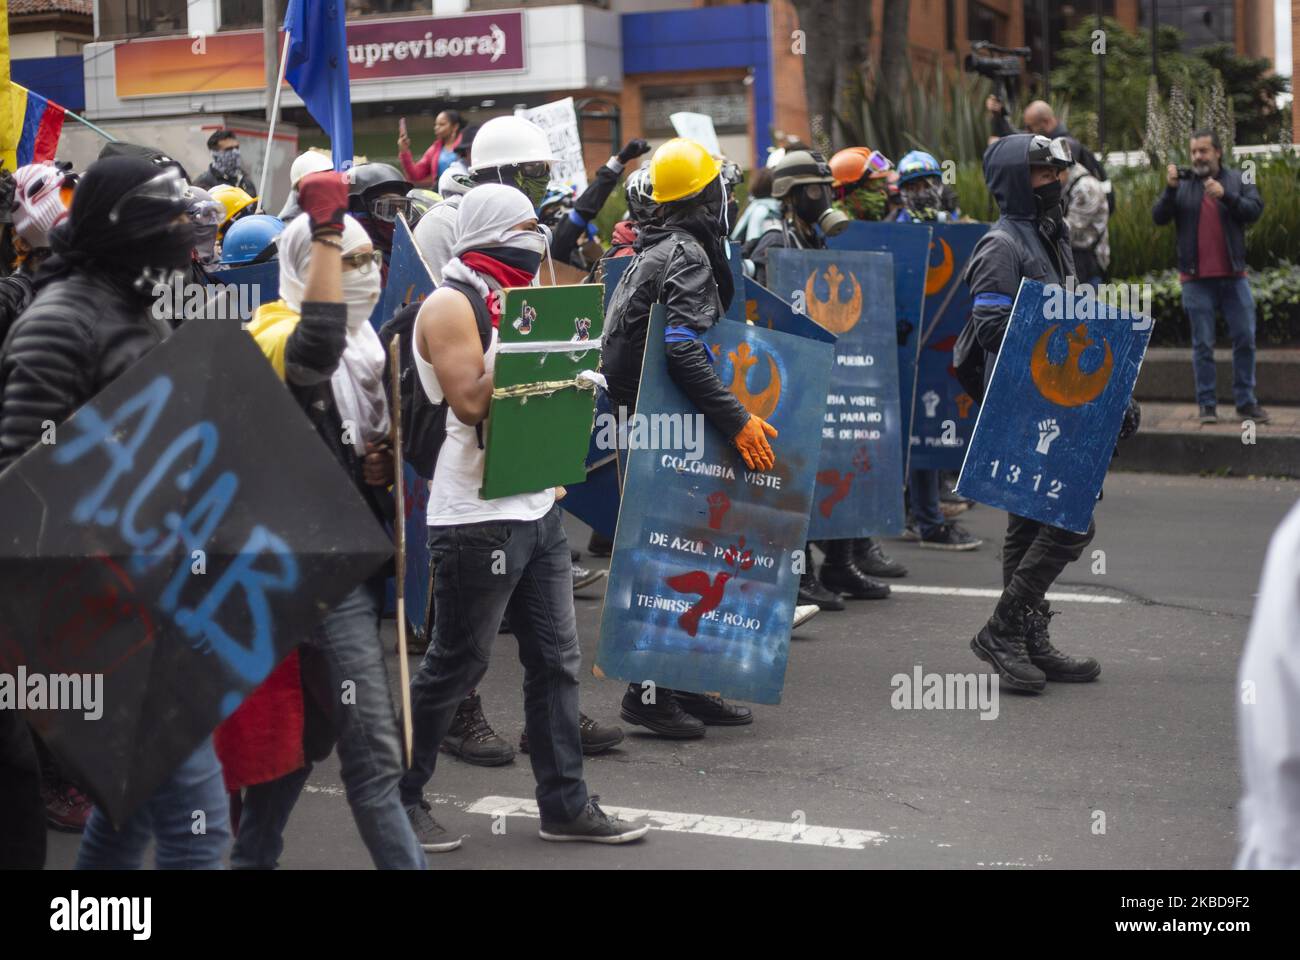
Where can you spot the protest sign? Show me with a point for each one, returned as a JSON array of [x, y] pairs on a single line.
[[697, 127], [560, 121]]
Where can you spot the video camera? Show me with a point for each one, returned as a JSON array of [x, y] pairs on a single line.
[[1000, 69]]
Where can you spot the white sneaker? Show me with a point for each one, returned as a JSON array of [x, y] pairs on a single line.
[[804, 612]]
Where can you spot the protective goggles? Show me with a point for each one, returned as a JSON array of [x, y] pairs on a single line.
[[1055, 152], [534, 169], [877, 162], [206, 213], [362, 262], [732, 175], [387, 208], [168, 187]]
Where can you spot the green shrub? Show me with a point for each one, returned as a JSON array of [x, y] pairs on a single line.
[[1277, 304]]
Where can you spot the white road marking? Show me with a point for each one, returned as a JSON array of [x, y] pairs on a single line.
[[994, 594], [736, 828]]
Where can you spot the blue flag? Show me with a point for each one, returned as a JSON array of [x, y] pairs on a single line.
[[317, 69]]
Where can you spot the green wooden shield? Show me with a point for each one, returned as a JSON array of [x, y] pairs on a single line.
[[539, 426]]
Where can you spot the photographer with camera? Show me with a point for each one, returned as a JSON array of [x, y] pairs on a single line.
[[1211, 206]]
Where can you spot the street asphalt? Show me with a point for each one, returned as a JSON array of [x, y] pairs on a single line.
[[1138, 770]]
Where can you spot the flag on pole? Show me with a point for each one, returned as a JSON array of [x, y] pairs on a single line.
[[317, 69], [42, 122], [9, 121]]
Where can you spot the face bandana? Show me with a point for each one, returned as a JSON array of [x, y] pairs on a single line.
[[1048, 200], [360, 293], [512, 263], [226, 162]]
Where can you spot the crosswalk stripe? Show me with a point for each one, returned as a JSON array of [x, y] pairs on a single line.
[[994, 594], [735, 828]]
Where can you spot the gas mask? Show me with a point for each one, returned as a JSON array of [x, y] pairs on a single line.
[[929, 196], [812, 205]]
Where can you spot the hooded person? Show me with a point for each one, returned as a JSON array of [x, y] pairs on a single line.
[[455, 349], [319, 341], [90, 321], [682, 263], [1030, 240], [41, 194]]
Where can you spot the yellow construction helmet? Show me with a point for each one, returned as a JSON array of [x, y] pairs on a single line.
[[679, 168], [232, 198]]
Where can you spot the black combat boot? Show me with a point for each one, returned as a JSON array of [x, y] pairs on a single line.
[[472, 738], [665, 716], [841, 574], [811, 591], [1002, 643], [1056, 665], [872, 560]]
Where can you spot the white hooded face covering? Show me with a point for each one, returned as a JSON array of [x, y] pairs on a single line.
[[358, 381]]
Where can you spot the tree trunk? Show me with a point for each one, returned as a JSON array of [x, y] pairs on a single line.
[[833, 37], [894, 47]]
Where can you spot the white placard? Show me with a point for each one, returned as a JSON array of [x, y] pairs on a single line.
[[560, 121], [697, 127]]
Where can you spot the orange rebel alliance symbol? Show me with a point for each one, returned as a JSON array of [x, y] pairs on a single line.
[[938, 274], [1065, 383], [761, 405], [836, 315]]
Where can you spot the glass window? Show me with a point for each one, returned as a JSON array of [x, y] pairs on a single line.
[[726, 102], [138, 18]]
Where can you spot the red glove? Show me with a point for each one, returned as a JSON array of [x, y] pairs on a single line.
[[324, 198]]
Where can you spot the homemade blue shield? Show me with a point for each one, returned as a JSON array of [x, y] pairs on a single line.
[[860, 471], [409, 278], [763, 308], [254, 283], [943, 414], [909, 245], [317, 69], [702, 583], [736, 309], [1054, 405]]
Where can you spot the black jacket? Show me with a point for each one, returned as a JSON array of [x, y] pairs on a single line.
[[80, 333], [1016, 247], [570, 233], [784, 237], [671, 268], [1240, 206], [16, 293], [210, 178]]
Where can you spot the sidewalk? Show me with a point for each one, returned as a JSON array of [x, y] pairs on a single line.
[[1172, 440]]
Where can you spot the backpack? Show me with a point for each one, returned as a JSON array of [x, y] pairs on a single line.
[[424, 423]]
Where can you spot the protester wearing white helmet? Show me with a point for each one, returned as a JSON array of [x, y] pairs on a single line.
[[509, 150], [313, 161]]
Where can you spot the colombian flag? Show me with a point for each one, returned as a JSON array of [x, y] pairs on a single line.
[[42, 122]]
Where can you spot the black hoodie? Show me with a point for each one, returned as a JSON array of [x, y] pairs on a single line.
[[1016, 248]]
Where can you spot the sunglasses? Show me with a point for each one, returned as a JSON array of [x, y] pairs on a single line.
[[362, 262]]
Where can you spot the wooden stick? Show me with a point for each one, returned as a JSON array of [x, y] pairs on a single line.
[[399, 534]]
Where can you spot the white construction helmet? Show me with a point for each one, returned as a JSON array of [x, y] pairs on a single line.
[[507, 142], [313, 161]]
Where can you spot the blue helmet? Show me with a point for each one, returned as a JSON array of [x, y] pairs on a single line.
[[916, 165], [248, 238]]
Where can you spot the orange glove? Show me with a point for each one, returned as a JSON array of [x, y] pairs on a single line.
[[753, 446]]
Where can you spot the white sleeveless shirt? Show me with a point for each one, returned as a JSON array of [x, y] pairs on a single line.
[[458, 474]]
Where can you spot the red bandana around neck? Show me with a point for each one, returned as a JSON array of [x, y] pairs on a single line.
[[502, 273]]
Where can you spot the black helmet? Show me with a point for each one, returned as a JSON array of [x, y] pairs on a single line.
[[368, 180]]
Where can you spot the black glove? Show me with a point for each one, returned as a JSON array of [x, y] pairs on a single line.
[[633, 149]]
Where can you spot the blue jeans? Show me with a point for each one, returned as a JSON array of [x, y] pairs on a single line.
[[168, 817], [485, 570], [923, 493], [369, 746], [1231, 295]]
